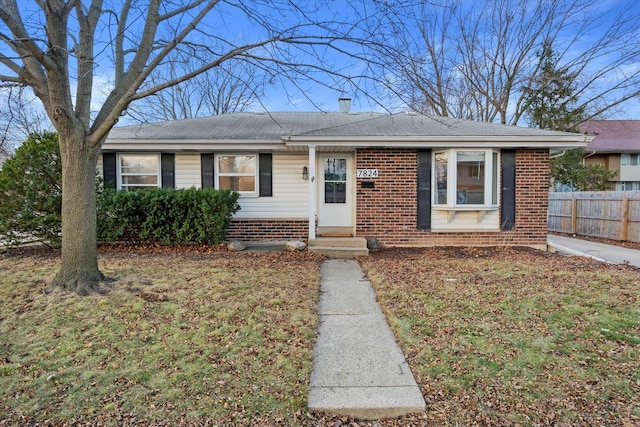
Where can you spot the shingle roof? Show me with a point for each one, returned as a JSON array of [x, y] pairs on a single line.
[[275, 126], [612, 135]]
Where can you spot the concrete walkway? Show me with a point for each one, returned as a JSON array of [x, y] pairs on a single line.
[[598, 251], [358, 369]]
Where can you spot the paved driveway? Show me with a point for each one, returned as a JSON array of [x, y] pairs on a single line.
[[600, 251]]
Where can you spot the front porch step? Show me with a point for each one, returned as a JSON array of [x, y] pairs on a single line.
[[335, 231], [339, 242], [339, 247]]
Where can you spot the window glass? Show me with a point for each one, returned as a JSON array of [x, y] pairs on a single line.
[[627, 185], [131, 163], [470, 177], [466, 177], [149, 180], [625, 160], [237, 173], [237, 164], [441, 177], [237, 183], [335, 192], [139, 171], [335, 170], [494, 180], [335, 180]]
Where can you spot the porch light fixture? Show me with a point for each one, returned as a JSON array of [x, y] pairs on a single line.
[[305, 172]]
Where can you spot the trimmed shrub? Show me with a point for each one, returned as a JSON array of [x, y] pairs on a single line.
[[166, 215]]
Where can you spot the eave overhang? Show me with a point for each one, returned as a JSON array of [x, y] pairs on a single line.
[[556, 142], [301, 143], [182, 145]]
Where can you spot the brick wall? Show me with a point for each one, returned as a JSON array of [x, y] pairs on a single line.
[[256, 230], [389, 211]]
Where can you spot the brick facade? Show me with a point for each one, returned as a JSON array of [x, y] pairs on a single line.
[[389, 211], [265, 229]]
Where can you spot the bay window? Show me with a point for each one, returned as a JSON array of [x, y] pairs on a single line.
[[465, 178]]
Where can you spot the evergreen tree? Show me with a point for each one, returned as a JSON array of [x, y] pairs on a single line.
[[31, 191], [550, 104], [550, 99]]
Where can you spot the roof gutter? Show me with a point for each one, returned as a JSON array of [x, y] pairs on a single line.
[[178, 145], [564, 142]]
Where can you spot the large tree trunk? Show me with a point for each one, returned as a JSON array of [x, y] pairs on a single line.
[[79, 269]]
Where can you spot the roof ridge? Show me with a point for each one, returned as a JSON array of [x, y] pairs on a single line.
[[372, 115]]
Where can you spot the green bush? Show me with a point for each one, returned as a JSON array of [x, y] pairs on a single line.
[[31, 204], [166, 215], [31, 192]]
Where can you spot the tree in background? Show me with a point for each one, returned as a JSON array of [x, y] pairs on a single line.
[[31, 193], [472, 59], [550, 103], [550, 99], [226, 89], [569, 170], [20, 116], [59, 48]]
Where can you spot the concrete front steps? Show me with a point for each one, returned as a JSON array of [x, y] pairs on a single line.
[[339, 247]]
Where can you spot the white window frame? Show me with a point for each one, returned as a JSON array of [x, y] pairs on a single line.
[[452, 177], [255, 172], [630, 159], [627, 185], [158, 173]]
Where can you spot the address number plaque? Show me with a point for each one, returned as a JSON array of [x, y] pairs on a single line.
[[367, 173]]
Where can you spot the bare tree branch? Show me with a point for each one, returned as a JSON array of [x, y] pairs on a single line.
[[473, 60], [133, 43], [20, 115]]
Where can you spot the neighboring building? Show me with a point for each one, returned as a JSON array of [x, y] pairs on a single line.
[[616, 146], [405, 179]]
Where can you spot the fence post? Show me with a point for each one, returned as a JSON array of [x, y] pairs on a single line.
[[574, 215], [625, 219]]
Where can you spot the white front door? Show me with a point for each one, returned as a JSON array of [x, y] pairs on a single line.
[[335, 190]]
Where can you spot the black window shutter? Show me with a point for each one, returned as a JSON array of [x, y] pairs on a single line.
[[265, 166], [168, 166], [206, 170], [508, 208], [424, 189], [109, 170]]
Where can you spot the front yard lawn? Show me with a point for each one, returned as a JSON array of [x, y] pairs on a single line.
[[180, 339], [515, 337], [196, 337]]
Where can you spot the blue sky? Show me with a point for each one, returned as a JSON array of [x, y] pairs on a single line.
[[230, 25], [597, 17]]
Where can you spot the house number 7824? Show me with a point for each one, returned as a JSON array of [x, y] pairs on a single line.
[[367, 173]]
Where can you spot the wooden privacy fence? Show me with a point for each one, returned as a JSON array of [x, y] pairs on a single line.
[[608, 214]]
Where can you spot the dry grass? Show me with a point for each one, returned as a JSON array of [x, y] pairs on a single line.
[[515, 337], [493, 336], [180, 338]]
